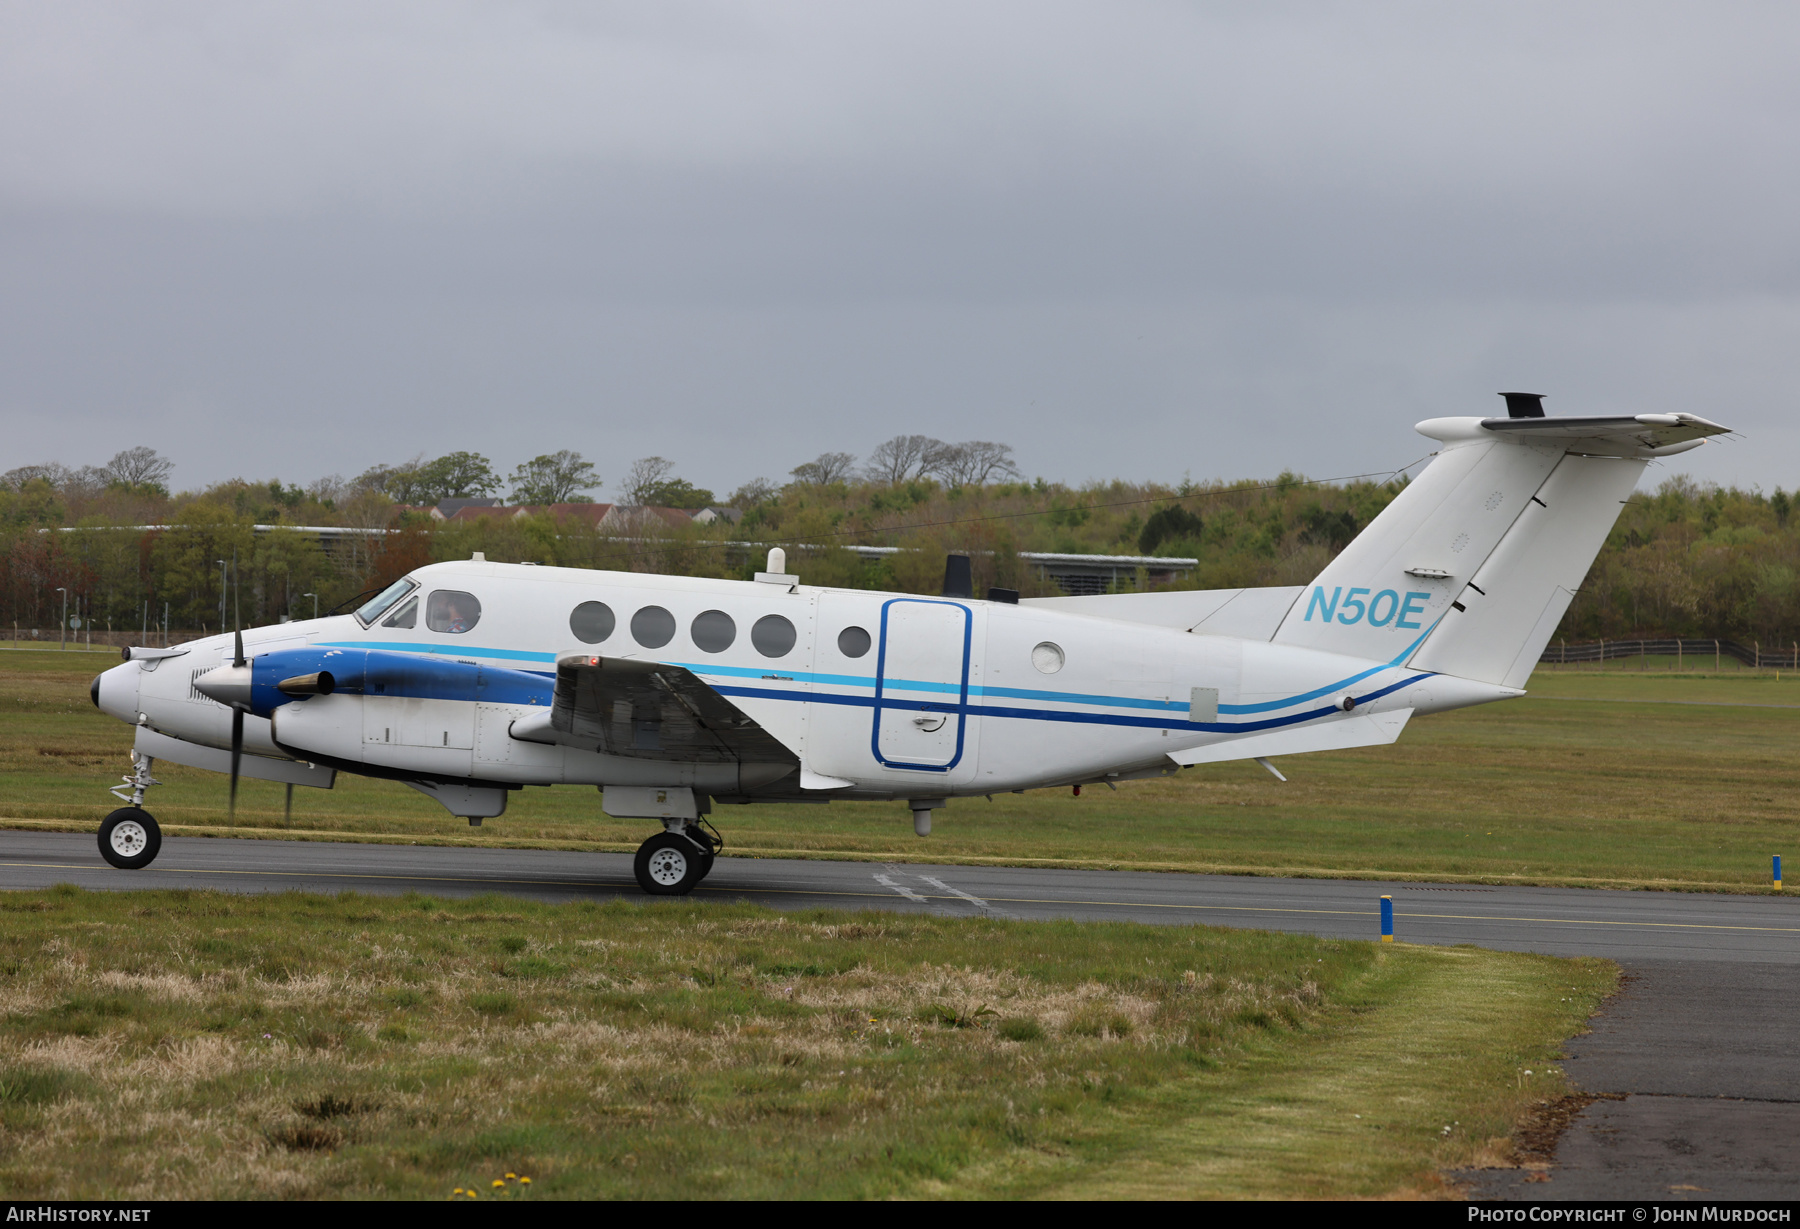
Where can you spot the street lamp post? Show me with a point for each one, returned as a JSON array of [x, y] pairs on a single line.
[[62, 632], [315, 598]]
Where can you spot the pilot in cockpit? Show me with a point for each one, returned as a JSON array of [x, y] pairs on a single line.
[[452, 611]]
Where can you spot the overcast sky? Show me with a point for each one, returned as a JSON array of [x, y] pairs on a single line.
[[1138, 240]]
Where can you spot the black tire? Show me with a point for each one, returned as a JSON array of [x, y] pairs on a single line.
[[130, 839], [669, 865]]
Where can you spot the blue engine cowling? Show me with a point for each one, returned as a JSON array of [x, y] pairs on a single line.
[[376, 672]]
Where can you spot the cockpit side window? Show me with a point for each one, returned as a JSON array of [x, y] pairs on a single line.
[[378, 605], [449, 610], [406, 616]]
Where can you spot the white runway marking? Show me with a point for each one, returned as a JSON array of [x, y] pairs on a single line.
[[887, 881], [973, 900]]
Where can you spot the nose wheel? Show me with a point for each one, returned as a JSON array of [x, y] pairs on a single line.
[[130, 839]]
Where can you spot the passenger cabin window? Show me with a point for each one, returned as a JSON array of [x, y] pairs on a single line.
[[406, 616], [449, 610], [592, 622], [853, 641], [653, 627], [378, 605], [713, 631], [773, 636]]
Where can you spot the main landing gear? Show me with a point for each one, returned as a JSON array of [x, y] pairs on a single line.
[[674, 861], [129, 837]]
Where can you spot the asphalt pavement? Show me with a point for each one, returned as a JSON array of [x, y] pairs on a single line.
[[1695, 1063]]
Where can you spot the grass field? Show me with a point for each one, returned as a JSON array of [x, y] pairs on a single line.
[[201, 1045], [1622, 777]]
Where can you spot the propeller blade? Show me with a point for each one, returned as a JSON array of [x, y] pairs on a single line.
[[237, 754], [238, 648]]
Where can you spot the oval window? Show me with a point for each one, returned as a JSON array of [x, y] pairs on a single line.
[[713, 631], [1047, 657], [653, 627], [448, 610], [773, 636], [853, 642], [592, 622]]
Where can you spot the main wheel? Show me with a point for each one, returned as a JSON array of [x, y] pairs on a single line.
[[130, 839], [668, 865]]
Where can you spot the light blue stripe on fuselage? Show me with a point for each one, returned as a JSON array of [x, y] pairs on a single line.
[[772, 673]]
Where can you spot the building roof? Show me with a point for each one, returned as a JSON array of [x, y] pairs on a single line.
[[592, 514]]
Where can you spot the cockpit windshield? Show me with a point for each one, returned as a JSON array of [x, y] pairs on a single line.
[[378, 605]]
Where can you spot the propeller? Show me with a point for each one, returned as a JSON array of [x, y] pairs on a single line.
[[237, 727]]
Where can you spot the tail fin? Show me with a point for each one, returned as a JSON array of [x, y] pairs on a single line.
[[1471, 567]]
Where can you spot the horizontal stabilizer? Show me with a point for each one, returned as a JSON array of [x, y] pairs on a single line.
[[1338, 734], [1608, 435]]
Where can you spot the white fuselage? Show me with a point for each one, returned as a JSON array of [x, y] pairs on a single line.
[[878, 695]]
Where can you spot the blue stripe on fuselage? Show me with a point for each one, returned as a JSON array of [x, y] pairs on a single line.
[[1046, 714], [714, 670]]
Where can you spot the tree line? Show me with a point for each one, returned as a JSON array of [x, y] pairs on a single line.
[[1687, 559]]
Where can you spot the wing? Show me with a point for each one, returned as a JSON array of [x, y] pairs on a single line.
[[648, 710]]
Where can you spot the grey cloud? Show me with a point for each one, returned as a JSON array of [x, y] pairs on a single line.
[[1129, 239]]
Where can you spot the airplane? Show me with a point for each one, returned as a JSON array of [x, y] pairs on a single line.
[[671, 695]]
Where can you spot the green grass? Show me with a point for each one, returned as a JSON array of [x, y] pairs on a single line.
[[203, 1045], [1615, 778]]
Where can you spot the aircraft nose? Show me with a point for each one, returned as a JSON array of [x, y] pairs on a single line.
[[115, 692]]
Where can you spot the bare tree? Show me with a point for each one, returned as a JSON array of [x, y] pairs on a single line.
[[901, 459], [827, 469], [140, 466], [973, 463], [328, 490], [86, 482], [53, 472], [754, 492], [646, 475]]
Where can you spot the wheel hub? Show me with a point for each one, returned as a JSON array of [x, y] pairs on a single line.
[[129, 838], [668, 867]]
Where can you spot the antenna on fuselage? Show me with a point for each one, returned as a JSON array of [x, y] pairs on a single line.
[[959, 580]]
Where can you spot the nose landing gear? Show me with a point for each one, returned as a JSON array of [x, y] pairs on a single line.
[[129, 837]]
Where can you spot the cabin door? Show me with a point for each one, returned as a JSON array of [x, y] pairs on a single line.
[[922, 684]]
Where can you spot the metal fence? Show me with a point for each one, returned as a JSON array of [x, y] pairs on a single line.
[[1702, 652]]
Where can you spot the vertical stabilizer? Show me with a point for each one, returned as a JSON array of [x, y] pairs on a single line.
[[1382, 595], [1499, 624]]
